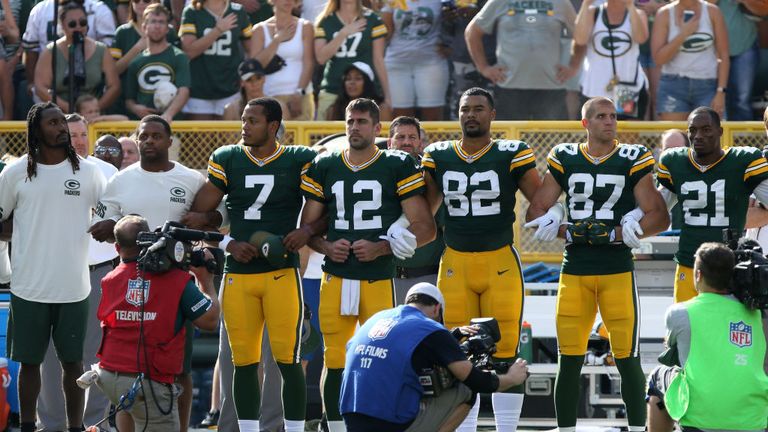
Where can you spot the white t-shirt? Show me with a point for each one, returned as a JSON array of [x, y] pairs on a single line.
[[51, 214], [101, 24], [156, 196], [98, 252]]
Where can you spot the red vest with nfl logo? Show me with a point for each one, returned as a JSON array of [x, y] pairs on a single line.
[[120, 312]]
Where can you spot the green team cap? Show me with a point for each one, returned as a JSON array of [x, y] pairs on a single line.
[[270, 247]]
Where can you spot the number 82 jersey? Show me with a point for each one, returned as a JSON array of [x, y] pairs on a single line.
[[600, 188], [478, 191]]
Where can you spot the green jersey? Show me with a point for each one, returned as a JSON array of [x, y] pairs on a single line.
[[712, 197], [147, 70], [479, 191], [126, 36], [603, 189], [262, 195], [214, 72], [357, 48], [362, 201]]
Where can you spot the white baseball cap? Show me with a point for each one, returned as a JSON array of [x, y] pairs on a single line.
[[364, 68], [428, 289]]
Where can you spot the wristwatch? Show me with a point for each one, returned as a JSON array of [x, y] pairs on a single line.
[[301, 91], [721, 89]]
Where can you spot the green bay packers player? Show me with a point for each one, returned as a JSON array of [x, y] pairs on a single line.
[[480, 273], [603, 181], [713, 186], [365, 191], [261, 179]]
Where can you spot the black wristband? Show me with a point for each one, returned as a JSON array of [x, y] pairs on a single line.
[[482, 381]]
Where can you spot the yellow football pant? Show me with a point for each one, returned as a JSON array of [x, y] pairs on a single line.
[[684, 289]]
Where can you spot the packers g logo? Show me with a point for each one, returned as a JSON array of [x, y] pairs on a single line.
[[697, 42], [72, 184], [178, 192], [621, 42], [151, 74]]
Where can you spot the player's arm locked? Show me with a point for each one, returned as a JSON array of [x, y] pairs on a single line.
[[414, 228], [650, 217], [545, 213]]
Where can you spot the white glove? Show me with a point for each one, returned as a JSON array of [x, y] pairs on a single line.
[[630, 228], [401, 241], [548, 224]]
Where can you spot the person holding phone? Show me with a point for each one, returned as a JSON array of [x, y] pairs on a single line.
[[690, 42]]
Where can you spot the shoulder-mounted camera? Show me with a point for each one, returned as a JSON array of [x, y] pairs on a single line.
[[750, 275], [172, 247]]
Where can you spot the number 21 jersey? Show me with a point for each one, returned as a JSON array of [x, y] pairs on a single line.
[[711, 197]]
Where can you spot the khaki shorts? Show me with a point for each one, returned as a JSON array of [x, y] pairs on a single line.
[[434, 411], [159, 400]]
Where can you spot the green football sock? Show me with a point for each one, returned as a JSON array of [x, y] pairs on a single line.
[[294, 391], [246, 392], [567, 389], [332, 393], [633, 389]]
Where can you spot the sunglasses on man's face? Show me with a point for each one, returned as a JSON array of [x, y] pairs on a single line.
[[82, 23], [103, 151]]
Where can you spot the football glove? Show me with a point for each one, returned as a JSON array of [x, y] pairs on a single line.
[[630, 228], [598, 233], [548, 224], [401, 241], [576, 232]]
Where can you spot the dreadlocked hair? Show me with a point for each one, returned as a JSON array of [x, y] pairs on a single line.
[[34, 116]]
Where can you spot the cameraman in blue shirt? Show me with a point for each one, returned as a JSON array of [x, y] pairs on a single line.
[[387, 355]]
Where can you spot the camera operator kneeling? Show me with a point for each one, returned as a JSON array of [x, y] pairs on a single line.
[[721, 346], [381, 388], [142, 317]]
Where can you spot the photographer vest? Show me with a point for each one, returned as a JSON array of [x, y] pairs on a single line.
[[161, 353], [379, 361], [723, 384]]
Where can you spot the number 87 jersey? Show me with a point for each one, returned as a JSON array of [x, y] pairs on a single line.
[[600, 188], [478, 191]]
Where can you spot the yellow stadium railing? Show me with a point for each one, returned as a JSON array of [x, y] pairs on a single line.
[[196, 140]]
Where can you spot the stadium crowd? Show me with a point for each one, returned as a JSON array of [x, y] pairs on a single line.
[[541, 59]]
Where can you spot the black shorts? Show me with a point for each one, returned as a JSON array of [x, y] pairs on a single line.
[[658, 382]]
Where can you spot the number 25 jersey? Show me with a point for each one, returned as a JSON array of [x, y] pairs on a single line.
[[711, 197], [478, 190], [600, 188]]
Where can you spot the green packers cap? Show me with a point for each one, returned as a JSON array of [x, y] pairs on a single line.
[[270, 247]]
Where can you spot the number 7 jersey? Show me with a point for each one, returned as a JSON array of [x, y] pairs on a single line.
[[600, 188], [711, 197], [262, 195], [478, 191]]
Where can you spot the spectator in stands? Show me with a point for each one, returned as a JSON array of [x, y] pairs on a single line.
[[130, 151], [357, 82], [672, 138], [37, 35], [88, 107], [98, 62], [453, 22], [289, 38], [215, 46], [347, 32], [530, 89], [109, 150], [740, 16], [651, 69], [252, 79], [613, 32], [413, 60], [757, 213], [9, 33], [690, 43], [129, 41], [160, 62]]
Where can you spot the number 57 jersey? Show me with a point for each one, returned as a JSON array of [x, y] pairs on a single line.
[[478, 191], [711, 197], [600, 188]]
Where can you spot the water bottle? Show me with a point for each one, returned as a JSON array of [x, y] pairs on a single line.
[[5, 409], [526, 342]]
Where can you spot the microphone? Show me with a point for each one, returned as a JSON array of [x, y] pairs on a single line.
[[184, 234]]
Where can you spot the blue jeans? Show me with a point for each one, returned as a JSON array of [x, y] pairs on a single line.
[[741, 80]]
